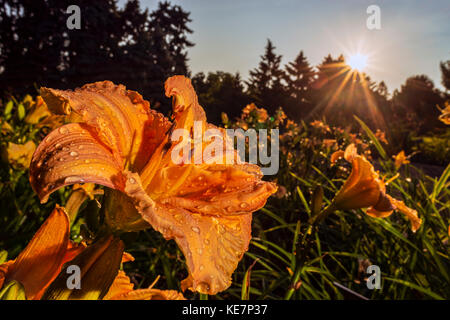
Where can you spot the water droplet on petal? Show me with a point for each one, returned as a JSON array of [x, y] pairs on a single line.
[[131, 180], [63, 130], [243, 205], [195, 229], [73, 153]]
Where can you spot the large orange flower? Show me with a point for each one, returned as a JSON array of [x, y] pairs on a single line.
[[117, 141], [41, 261], [364, 189]]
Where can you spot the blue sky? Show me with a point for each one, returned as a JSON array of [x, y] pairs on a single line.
[[230, 35]]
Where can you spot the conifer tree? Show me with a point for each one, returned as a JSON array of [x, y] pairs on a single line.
[[265, 85]]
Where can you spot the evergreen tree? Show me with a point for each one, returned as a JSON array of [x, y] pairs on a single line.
[[299, 76], [129, 46], [445, 74], [220, 92], [265, 85], [416, 102]]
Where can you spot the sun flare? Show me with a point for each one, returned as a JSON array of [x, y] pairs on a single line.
[[357, 61]]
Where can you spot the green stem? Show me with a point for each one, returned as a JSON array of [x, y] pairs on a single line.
[[313, 222], [318, 218]]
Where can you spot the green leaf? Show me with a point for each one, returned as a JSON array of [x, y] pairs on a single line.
[[416, 287], [3, 256], [372, 137]]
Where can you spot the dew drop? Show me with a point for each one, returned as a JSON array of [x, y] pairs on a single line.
[[131, 180], [195, 229], [63, 130], [202, 267], [73, 153], [243, 205]]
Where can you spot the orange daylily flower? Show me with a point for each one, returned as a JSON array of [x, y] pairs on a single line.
[[123, 289], [364, 189], [400, 159], [260, 113], [119, 142], [19, 155], [41, 261]]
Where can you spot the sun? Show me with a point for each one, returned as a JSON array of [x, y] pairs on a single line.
[[357, 61]]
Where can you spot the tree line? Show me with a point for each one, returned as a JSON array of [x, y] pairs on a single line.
[[140, 49]]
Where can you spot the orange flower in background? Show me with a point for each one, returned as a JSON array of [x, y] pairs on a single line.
[[38, 111], [259, 113], [381, 135], [41, 261], [119, 142], [445, 116], [400, 159], [19, 155], [364, 189], [123, 289]]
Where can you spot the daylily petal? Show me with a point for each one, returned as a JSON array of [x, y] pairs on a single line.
[[4, 271], [122, 289], [72, 154], [212, 189], [212, 246], [336, 156], [411, 214], [362, 188], [186, 111], [37, 112], [121, 285], [121, 118], [150, 294], [40, 262], [185, 102], [99, 265]]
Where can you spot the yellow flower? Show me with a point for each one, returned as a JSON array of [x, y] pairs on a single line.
[[19, 155], [41, 261], [364, 189], [445, 116], [400, 159], [38, 111], [119, 142]]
